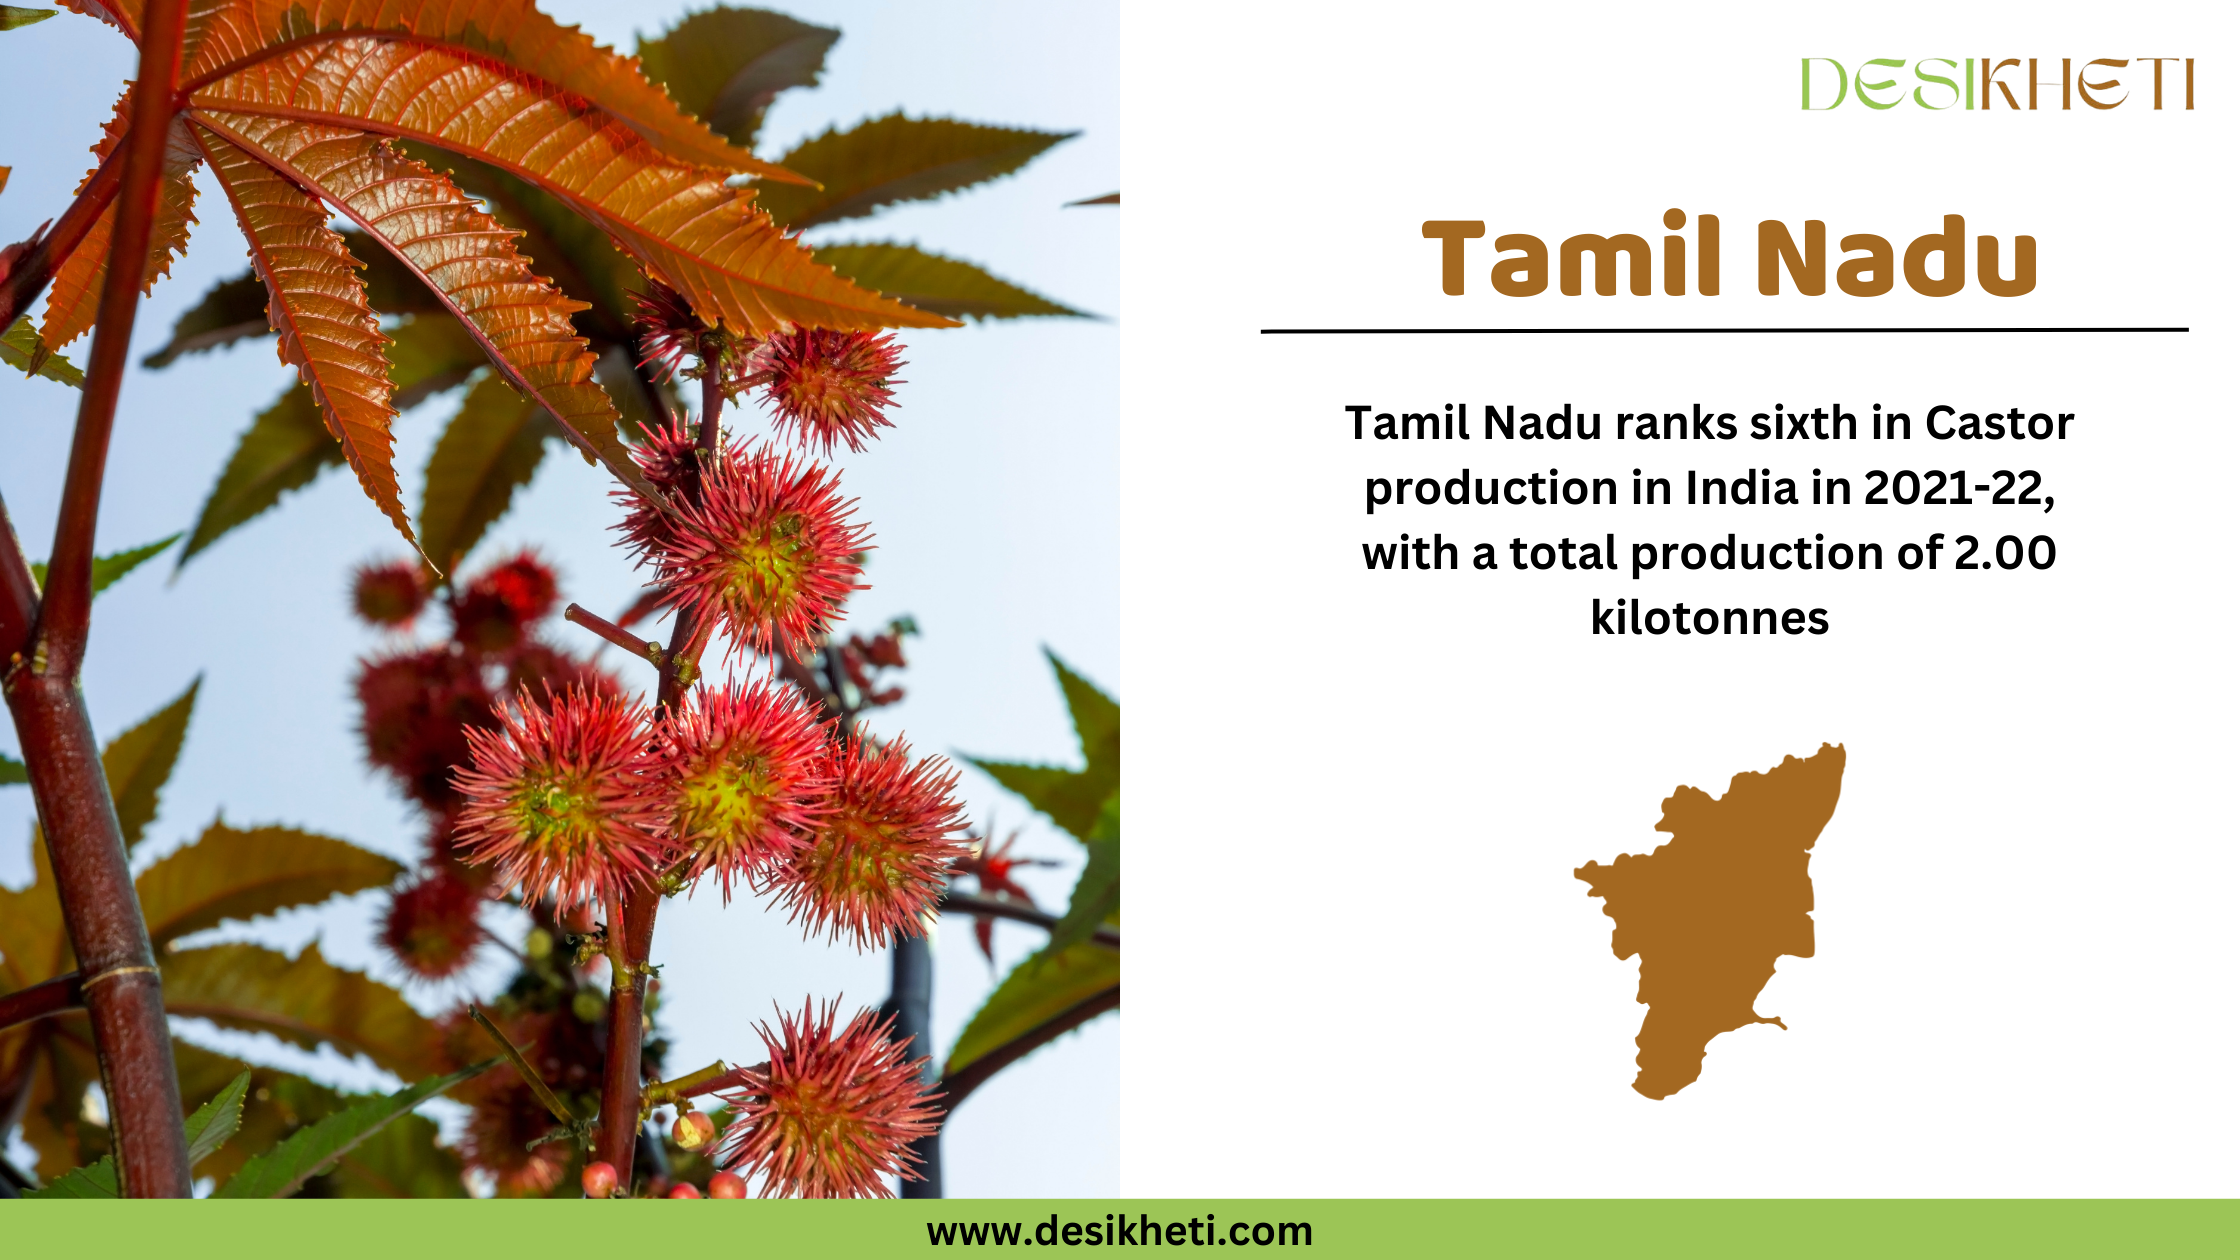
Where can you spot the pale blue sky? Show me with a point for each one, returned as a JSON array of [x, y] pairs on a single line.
[[995, 505]]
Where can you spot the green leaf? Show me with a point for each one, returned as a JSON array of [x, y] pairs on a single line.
[[139, 762], [207, 1130], [727, 65], [1096, 895], [896, 158], [13, 771], [429, 354], [229, 312], [20, 347], [33, 946], [12, 17], [491, 448], [934, 282], [1038, 990], [107, 570], [305, 1000], [232, 874], [281, 1171], [283, 450], [401, 1160], [1074, 799]]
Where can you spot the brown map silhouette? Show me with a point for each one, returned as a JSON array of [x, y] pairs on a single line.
[[1711, 909]]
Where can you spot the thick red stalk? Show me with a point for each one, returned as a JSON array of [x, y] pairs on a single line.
[[123, 990], [630, 931], [955, 1089], [48, 997], [35, 270]]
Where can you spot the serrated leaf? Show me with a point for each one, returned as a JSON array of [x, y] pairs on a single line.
[[207, 1130], [489, 450], [1038, 990], [430, 353], [1096, 895], [463, 255], [109, 569], [317, 304], [401, 1160], [21, 348], [76, 290], [304, 1000], [281, 1171], [286, 446], [240, 35], [935, 282], [680, 221], [232, 310], [235, 874], [726, 65], [13, 771], [138, 763], [575, 254], [1073, 799], [33, 945], [897, 158], [12, 17]]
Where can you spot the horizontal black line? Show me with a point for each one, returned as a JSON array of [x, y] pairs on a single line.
[[1292, 332]]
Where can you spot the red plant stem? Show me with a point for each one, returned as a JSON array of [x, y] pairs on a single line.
[[35, 270], [999, 908], [19, 596], [49, 997], [609, 631], [630, 929], [123, 990]]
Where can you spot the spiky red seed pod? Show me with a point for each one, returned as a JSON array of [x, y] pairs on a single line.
[[768, 551], [879, 856], [505, 1118], [685, 1190], [743, 772], [670, 458], [599, 1180], [495, 610], [562, 799], [693, 1129], [432, 926], [831, 1116], [668, 329], [829, 386], [389, 594], [542, 670], [414, 712], [724, 1185]]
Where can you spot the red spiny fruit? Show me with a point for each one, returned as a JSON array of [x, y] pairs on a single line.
[[560, 799], [432, 926], [829, 386], [542, 670], [743, 774], [506, 1117], [830, 1116], [415, 709], [880, 855], [389, 594], [769, 550], [495, 610], [670, 458]]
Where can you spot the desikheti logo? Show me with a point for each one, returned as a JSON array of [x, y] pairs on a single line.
[[1972, 83]]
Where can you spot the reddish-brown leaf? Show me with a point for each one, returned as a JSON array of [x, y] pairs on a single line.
[[76, 295], [318, 306], [465, 256], [225, 35], [679, 220]]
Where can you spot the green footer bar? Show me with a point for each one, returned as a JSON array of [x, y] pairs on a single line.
[[1172, 1229]]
